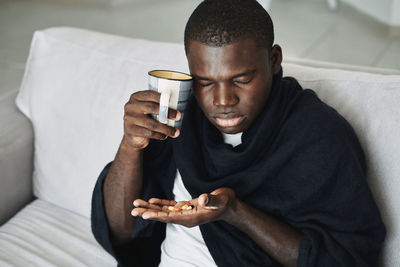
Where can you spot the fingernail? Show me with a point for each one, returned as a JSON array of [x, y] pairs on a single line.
[[145, 216], [134, 213], [206, 201], [178, 116], [177, 132]]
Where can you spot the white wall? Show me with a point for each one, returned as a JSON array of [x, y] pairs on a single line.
[[396, 13], [386, 11]]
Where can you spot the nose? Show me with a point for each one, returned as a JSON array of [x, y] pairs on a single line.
[[225, 96]]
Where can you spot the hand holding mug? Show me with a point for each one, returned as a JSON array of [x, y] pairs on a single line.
[[139, 127]]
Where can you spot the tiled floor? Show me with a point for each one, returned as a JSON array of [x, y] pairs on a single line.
[[304, 28]]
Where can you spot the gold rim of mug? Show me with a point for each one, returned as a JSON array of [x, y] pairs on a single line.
[[190, 78]]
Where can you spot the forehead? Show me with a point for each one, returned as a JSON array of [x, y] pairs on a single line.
[[231, 59]]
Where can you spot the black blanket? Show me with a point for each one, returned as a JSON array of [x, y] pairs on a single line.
[[300, 161]]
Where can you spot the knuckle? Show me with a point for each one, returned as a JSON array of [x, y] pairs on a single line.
[[147, 134], [126, 107], [132, 97], [152, 124], [145, 94], [151, 106]]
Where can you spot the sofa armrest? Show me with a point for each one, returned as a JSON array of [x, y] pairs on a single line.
[[16, 157]]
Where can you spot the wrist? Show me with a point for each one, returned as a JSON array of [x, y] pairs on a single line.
[[233, 212], [126, 148]]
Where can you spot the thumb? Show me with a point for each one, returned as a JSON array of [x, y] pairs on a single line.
[[203, 200], [211, 201]]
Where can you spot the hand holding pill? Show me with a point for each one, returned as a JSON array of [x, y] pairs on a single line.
[[206, 208]]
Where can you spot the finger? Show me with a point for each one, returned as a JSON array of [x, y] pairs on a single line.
[[137, 131], [141, 107], [153, 125], [174, 114], [156, 215], [209, 201], [162, 202], [181, 217], [203, 200], [138, 211], [146, 95], [139, 203], [147, 108]]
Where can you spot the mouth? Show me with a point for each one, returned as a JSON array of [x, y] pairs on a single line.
[[229, 122]]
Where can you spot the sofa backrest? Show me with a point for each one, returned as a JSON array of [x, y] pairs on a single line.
[[77, 82]]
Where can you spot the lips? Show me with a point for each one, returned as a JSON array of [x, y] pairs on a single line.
[[229, 122]]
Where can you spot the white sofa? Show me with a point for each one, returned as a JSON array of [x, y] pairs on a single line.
[[74, 88]]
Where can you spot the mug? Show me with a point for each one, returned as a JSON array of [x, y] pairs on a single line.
[[175, 88]]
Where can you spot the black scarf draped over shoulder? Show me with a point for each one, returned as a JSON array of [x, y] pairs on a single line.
[[300, 161]]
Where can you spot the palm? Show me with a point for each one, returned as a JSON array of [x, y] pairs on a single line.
[[207, 208]]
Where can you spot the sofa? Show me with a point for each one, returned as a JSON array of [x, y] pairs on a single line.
[[66, 122]]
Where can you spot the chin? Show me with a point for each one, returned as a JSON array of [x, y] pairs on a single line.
[[231, 130]]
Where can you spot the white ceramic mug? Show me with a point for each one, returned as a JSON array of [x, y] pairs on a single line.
[[175, 88]]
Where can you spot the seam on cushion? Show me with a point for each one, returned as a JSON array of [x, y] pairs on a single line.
[[329, 65], [394, 79], [391, 84], [352, 75], [23, 102]]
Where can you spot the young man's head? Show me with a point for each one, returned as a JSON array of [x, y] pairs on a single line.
[[229, 46]]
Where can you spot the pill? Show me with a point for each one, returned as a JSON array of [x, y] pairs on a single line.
[[177, 208], [184, 207], [171, 208], [190, 207]]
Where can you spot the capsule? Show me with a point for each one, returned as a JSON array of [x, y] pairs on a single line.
[[177, 208]]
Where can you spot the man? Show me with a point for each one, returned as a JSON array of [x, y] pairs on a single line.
[[276, 177]]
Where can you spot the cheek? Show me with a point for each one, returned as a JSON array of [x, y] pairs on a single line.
[[204, 99], [258, 97]]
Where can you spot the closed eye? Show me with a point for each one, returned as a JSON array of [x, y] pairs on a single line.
[[243, 80], [204, 83]]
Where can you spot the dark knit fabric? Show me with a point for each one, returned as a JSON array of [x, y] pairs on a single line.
[[300, 161]]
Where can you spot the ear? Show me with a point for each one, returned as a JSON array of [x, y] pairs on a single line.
[[276, 59]]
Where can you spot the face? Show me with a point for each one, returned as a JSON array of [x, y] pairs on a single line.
[[232, 83]]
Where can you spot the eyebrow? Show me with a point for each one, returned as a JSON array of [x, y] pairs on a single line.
[[248, 72], [244, 73]]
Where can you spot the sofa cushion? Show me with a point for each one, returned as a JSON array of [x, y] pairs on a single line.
[[74, 90], [43, 234], [76, 83], [371, 103]]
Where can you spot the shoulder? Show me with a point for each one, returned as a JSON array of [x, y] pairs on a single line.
[[309, 115], [312, 125]]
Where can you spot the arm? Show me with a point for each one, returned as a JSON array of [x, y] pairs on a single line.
[[357, 243], [122, 186], [123, 183], [276, 238]]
